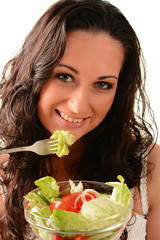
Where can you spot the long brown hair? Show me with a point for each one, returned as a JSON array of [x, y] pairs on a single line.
[[116, 146]]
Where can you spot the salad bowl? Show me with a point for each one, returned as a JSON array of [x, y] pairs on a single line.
[[95, 223]]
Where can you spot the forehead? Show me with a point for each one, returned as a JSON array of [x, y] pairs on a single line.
[[92, 38], [94, 50]]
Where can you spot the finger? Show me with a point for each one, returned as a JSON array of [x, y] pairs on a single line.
[[1, 173], [4, 158]]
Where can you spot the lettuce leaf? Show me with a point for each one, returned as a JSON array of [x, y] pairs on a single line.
[[74, 188], [49, 186], [121, 193], [35, 200], [67, 221], [64, 141]]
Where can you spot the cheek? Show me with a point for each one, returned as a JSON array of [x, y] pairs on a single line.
[[45, 101], [47, 96], [103, 111], [42, 110], [104, 106]]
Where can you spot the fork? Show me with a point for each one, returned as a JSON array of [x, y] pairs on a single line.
[[41, 147]]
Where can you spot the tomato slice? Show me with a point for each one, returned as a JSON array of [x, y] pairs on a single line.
[[71, 197], [27, 205], [56, 237], [62, 205], [76, 199], [87, 196]]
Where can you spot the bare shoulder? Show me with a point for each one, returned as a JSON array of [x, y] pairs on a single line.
[[153, 189], [153, 169], [154, 155]]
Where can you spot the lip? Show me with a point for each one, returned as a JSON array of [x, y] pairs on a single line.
[[71, 124]]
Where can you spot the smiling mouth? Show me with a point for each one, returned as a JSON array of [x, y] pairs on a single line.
[[69, 119]]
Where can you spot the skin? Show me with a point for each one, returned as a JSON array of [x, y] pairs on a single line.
[[153, 192], [3, 158], [83, 85]]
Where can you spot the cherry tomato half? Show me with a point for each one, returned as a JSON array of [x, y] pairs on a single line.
[[76, 200], [62, 205]]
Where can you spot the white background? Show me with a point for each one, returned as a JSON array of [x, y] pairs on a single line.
[[18, 16]]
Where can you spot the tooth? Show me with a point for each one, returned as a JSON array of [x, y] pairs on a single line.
[[75, 120], [80, 120], [65, 117], [70, 119]]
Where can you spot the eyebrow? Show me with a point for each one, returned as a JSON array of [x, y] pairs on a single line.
[[74, 70], [69, 67], [108, 76]]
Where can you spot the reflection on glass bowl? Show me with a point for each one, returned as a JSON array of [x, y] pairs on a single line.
[[109, 228]]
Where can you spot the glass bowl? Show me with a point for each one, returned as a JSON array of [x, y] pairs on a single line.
[[112, 229]]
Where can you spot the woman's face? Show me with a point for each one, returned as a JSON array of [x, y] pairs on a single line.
[[82, 87]]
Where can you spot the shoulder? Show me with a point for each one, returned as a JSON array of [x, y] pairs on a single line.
[[153, 171], [153, 187], [154, 153], [153, 165]]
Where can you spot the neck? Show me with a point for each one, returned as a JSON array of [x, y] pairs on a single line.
[[64, 167]]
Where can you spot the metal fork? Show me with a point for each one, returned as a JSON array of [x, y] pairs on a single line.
[[41, 147]]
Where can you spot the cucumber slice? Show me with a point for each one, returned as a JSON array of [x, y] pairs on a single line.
[[44, 198]]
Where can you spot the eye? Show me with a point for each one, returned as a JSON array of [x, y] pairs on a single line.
[[64, 77], [103, 85]]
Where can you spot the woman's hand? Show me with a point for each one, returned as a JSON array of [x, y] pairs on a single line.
[[3, 159]]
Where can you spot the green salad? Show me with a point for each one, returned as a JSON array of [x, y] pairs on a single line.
[[65, 139], [75, 208]]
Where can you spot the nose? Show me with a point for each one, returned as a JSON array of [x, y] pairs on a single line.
[[79, 101]]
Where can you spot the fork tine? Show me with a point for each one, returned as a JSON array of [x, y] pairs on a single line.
[[53, 140], [53, 147], [52, 144]]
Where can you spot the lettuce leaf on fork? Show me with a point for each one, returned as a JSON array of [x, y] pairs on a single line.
[[65, 139]]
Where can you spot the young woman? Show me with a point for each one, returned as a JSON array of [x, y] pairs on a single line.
[[80, 69]]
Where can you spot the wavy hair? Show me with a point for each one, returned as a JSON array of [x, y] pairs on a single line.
[[118, 143]]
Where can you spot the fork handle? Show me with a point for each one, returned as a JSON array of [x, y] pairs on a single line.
[[12, 150]]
